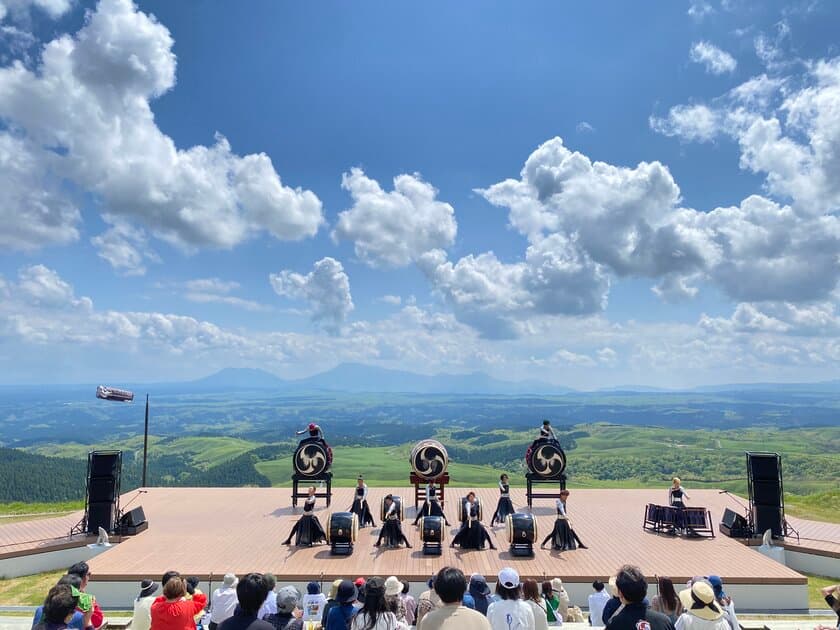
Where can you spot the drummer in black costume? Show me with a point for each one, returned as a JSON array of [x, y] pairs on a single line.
[[431, 506], [360, 505], [547, 433], [676, 499], [308, 529], [563, 537], [505, 505], [472, 534], [391, 527]]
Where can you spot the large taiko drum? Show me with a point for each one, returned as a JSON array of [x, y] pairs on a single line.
[[546, 459], [521, 528], [429, 459], [312, 458], [462, 510], [431, 529], [343, 528], [383, 509]]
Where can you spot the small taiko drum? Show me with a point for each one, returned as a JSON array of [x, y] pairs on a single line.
[[343, 528]]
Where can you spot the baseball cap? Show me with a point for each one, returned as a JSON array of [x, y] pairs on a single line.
[[509, 578]]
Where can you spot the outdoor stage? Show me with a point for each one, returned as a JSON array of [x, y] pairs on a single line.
[[208, 532]]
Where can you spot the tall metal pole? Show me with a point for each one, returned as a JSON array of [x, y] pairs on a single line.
[[145, 440]]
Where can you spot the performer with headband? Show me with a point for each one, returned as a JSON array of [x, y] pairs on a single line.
[[431, 506], [391, 528], [505, 505], [360, 505], [563, 537], [315, 432], [308, 529], [472, 534], [676, 499]]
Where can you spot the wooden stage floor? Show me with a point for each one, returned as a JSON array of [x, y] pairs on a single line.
[[208, 532]]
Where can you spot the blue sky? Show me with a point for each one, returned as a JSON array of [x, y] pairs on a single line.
[[677, 225]]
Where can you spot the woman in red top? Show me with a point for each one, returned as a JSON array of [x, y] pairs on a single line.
[[172, 611]]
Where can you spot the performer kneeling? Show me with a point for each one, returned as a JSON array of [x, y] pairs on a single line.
[[360, 505], [563, 537], [505, 505], [472, 534], [391, 528], [308, 529], [431, 506]]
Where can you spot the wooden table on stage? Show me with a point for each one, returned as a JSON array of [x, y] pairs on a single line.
[[420, 488]]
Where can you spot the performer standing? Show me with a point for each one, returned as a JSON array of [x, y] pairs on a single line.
[[676, 499], [431, 505], [547, 433], [472, 534], [392, 528], [360, 505], [505, 505], [308, 529], [563, 537], [315, 432]]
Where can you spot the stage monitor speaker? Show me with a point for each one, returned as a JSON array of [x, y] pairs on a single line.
[[134, 517], [768, 517], [733, 520], [100, 514]]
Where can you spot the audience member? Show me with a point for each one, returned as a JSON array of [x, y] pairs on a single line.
[[77, 621], [313, 602], [563, 599], [167, 576], [632, 589], [531, 595], [509, 612], [551, 603], [172, 611], [725, 602], [480, 593], [269, 606], [613, 605], [331, 601], [340, 614], [450, 586], [597, 602], [83, 571], [224, 601], [428, 601], [142, 617], [832, 598], [360, 589], [701, 610], [409, 603], [288, 616], [393, 589], [666, 601], [375, 615], [251, 592], [59, 608]]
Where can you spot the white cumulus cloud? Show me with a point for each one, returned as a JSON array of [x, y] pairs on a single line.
[[715, 60], [326, 289]]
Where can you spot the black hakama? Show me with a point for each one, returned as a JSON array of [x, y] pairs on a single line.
[[472, 535], [361, 509], [504, 506], [308, 529]]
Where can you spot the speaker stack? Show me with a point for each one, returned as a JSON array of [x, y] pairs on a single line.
[[767, 503], [102, 499]]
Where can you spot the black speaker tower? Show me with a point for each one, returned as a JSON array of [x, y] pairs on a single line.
[[767, 499], [102, 493]]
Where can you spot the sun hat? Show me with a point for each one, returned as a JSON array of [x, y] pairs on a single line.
[[479, 584], [557, 585], [613, 587], [334, 588], [287, 601], [346, 592], [509, 578], [699, 600], [393, 586], [147, 587], [230, 579], [717, 586]]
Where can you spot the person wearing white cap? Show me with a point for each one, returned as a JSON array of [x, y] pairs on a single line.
[[702, 611], [224, 601], [510, 612], [142, 618]]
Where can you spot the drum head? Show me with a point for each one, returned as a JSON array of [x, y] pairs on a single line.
[[546, 460], [311, 459], [429, 459]]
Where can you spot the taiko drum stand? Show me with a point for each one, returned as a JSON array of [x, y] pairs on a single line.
[[537, 480], [297, 479]]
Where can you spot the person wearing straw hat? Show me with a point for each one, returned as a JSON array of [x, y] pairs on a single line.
[[142, 617], [393, 590], [224, 601], [631, 585], [702, 612]]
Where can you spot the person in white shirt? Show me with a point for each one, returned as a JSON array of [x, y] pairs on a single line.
[[269, 606], [142, 618], [597, 601], [313, 602], [510, 612], [702, 612], [224, 601], [532, 597]]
